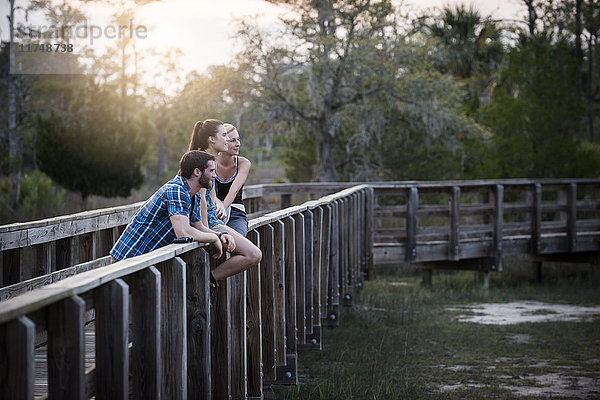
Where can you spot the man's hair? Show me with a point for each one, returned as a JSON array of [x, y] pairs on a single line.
[[192, 160], [202, 131]]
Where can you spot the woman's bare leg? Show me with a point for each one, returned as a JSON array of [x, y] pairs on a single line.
[[245, 255]]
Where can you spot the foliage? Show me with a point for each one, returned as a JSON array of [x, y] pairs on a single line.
[[536, 114], [93, 153]]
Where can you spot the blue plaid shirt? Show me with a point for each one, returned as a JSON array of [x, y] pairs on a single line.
[[150, 227]]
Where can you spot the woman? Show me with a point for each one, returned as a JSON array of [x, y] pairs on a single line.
[[232, 171], [210, 136]]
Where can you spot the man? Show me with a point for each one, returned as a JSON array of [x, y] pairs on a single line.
[[174, 212]]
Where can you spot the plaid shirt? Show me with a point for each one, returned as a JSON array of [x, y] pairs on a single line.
[[150, 227]]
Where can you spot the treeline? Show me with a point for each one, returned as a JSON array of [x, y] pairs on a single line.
[[347, 90]]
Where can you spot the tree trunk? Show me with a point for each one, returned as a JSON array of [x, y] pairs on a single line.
[[578, 51], [532, 18], [327, 162], [15, 149]]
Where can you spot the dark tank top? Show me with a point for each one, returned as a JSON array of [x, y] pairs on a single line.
[[224, 186]]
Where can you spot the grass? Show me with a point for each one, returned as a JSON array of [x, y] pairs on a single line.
[[399, 341]]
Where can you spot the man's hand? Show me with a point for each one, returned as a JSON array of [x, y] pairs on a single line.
[[228, 242], [221, 211], [217, 247]]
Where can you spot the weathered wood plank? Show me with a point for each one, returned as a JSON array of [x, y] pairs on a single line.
[[42, 259], [536, 218], [300, 278], [63, 253], [326, 264], [237, 295], [279, 289], [254, 326], [317, 245], [198, 323], [411, 225], [267, 233], [12, 268], [87, 247], [146, 359], [17, 359], [453, 239], [112, 339], [290, 284], [66, 374], [221, 337], [308, 271], [572, 216]]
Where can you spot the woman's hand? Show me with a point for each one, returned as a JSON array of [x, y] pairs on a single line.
[[221, 210]]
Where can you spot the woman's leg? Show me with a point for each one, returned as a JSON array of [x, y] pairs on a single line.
[[245, 255], [238, 221]]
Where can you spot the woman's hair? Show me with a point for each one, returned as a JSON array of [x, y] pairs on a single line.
[[229, 128], [192, 160], [202, 131]]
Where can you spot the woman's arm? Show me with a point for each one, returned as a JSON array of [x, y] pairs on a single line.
[[243, 169]]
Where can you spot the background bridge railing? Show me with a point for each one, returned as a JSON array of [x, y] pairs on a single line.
[[156, 313]]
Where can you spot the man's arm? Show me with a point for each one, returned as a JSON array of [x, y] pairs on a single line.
[[182, 227], [226, 239]]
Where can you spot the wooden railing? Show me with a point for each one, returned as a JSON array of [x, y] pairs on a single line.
[[158, 333]]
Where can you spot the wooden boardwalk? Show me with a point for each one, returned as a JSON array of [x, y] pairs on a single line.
[[156, 330]]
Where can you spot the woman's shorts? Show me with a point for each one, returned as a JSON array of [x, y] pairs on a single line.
[[238, 221]]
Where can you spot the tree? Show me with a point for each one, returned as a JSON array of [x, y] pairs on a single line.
[[335, 54], [92, 153]]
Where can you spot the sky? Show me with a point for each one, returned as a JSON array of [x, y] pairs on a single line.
[[203, 29]]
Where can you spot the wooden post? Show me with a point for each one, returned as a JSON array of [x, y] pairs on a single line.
[[42, 259], [198, 323], [498, 227], [300, 279], [221, 337], [411, 225], [66, 349], [254, 326], [308, 271], [536, 219], [112, 339], [427, 275], [279, 288], [325, 298], [174, 338], [145, 287], [87, 247], [317, 249], [105, 241], [572, 217], [237, 295], [345, 260], [291, 331], [333, 286], [17, 340], [63, 253], [266, 233], [12, 266], [454, 238], [370, 234], [286, 201]]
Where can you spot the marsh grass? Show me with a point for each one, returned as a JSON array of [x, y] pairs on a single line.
[[399, 341]]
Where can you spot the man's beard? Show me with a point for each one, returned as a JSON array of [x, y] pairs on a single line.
[[204, 181]]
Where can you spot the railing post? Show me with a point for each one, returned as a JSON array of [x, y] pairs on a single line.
[[317, 244], [333, 287], [221, 363], [254, 324], [12, 268], [498, 227], [345, 260], [326, 264], [66, 349], [279, 289], [267, 292], [536, 219], [572, 217], [454, 238], [63, 253], [300, 279], [87, 247], [308, 272], [42, 259], [286, 201], [198, 323], [112, 339], [17, 364], [411, 225], [145, 287]]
